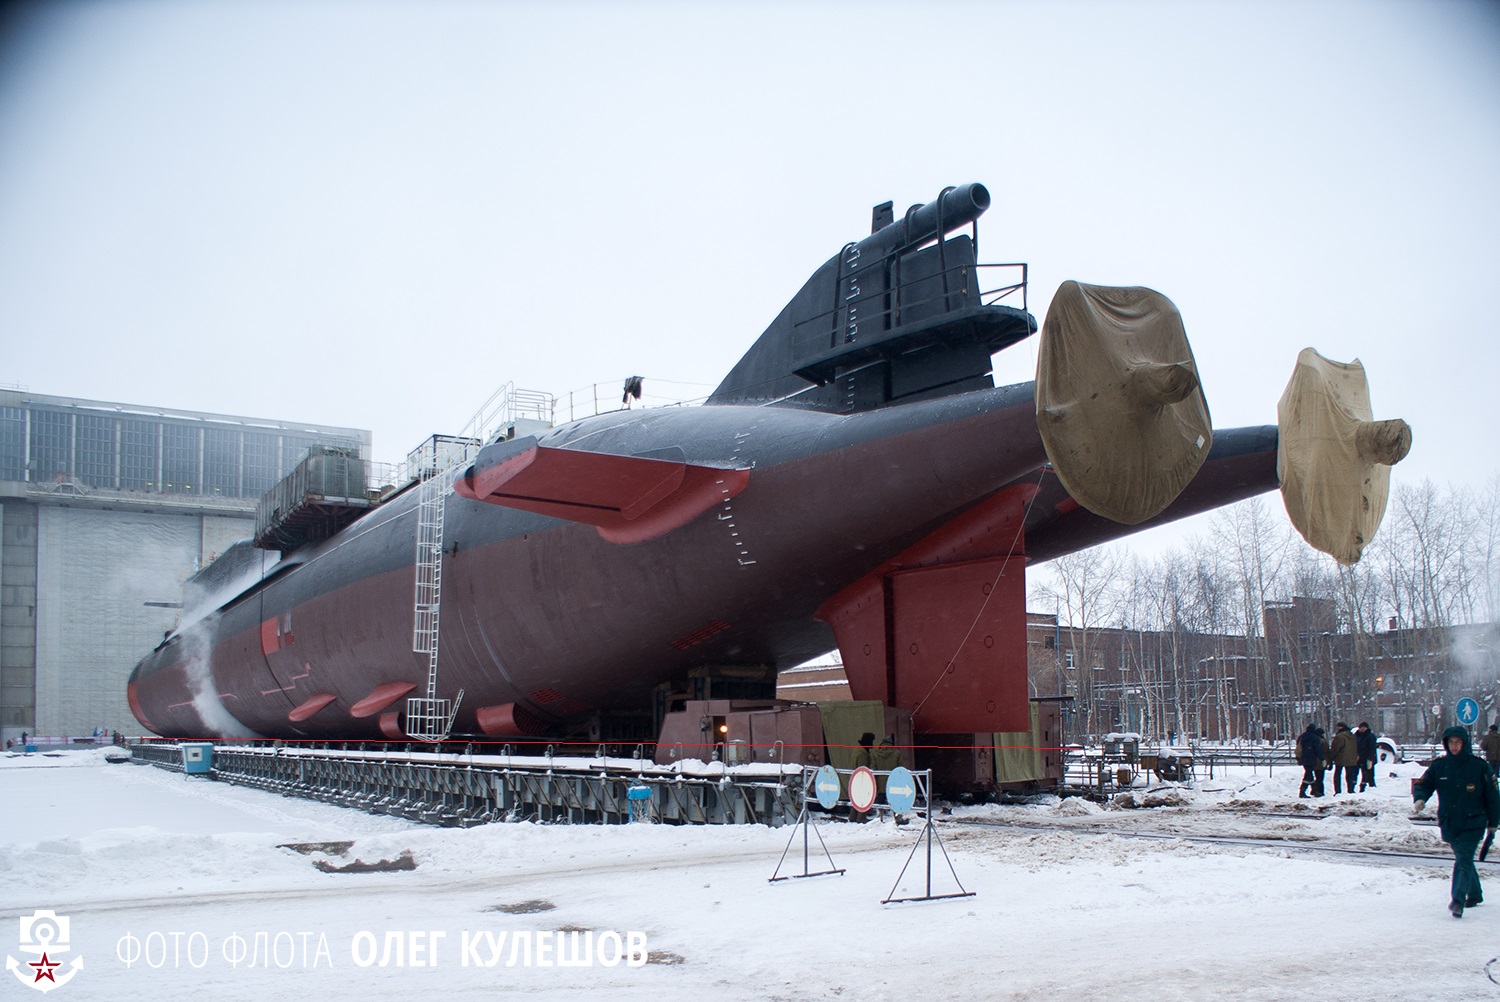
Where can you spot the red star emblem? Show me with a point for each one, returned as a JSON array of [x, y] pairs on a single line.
[[44, 969]]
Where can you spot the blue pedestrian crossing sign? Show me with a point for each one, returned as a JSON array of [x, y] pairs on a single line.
[[1468, 711]]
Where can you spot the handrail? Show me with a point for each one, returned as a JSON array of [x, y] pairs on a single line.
[[822, 331]]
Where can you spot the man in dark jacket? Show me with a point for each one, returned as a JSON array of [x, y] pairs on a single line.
[[1322, 763], [1364, 742], [1468, 804], [1310, 757]]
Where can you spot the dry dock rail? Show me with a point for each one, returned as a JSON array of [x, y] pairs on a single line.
[[469, 787]]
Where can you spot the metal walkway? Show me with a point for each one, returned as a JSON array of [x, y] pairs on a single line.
[[463, 789]]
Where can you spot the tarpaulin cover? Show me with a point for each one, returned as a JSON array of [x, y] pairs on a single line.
[[1333, 459], [1018, 754], [1118, 402], [844, 722]]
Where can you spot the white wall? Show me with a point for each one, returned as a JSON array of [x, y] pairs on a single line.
[[96, 570]]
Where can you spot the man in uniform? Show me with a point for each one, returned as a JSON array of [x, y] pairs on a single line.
[[1310, 757], [1369, 751], [1468, 804]]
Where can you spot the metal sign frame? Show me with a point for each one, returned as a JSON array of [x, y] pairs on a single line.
[[930, 836], [804, 822]]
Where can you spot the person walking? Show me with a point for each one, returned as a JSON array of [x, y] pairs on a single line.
[[1490, 745], [1310, 757], [1468, 805], [1343, 755], [1364, 742]]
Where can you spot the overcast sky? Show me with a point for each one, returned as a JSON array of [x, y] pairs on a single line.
[[372, 215]]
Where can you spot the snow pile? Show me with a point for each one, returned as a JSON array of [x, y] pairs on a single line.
[[1077, 807]]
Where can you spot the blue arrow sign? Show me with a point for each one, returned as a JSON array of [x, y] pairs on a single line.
[[826, 786], [901, 789]]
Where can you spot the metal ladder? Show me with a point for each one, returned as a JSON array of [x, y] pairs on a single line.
[[429, 718]]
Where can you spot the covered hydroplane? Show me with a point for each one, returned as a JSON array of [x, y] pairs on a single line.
[[855, 481]]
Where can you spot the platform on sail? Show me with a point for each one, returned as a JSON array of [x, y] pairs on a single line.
[[328, 490]]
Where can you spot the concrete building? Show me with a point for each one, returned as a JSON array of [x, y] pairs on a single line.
[[105, 510]]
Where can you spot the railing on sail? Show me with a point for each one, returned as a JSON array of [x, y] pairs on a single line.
[[428, 717]]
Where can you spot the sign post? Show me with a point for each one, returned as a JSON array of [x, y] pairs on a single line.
[[1468, 711], [901, 793], [820, 785]]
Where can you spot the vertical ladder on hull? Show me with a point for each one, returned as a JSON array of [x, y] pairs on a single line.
[[429, 718]]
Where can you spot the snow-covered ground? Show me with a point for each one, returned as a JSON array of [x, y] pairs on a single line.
[[183, 876]]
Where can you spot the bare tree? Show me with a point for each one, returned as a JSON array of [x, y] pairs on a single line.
[[1375, 640], [1214, 595], [1254, 544], [1427, 537], [1085, 591]]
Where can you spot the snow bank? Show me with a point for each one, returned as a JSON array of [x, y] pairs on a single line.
[[132, 851]]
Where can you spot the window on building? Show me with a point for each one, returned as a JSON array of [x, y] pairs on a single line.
[[261, 467], [221, 461], [138, 453], [12, 443], [179, 459], [94, 463], [51, 445]]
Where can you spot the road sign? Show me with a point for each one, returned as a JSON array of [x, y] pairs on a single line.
[[826, 786], [1468, 711], [862, 789], [901, 790]]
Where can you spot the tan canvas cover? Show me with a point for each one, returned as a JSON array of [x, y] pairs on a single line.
[[844, 722], [1334, 460], [1018, 755], [1117, 399]]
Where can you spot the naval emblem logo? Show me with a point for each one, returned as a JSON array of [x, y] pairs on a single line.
[[45, 934]]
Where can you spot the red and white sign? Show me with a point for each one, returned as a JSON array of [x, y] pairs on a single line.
[[862, 789]]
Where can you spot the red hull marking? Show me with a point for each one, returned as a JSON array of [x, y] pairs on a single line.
[[270, 637], [699, 635]]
